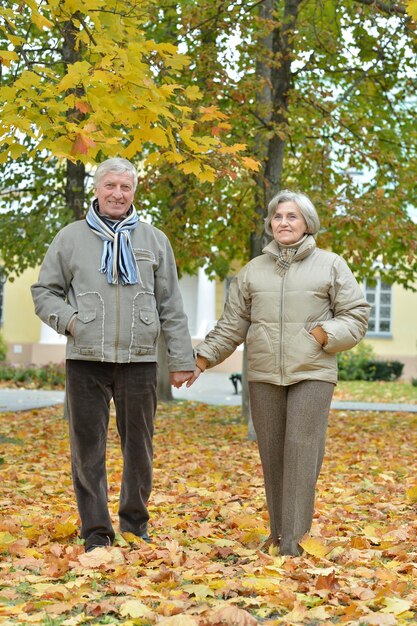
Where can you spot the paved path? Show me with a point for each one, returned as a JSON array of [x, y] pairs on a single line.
[[26, 399], [212, 388]]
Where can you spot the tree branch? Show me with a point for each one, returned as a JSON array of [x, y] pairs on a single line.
[[386, 7], [87, 30]]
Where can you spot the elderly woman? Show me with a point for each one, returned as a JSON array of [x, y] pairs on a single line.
[[296, 306]]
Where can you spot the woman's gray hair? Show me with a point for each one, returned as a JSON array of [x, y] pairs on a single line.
[[116, 164], [304, 204]]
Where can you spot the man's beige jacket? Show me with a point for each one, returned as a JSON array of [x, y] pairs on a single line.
[[275, 315], [114, 323]]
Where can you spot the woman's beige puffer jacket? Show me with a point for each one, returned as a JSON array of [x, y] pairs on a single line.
[[276, 314]]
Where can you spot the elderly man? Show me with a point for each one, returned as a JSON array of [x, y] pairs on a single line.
[[110, 284]]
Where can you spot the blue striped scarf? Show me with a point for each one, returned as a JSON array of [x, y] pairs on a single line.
[[117, 259]]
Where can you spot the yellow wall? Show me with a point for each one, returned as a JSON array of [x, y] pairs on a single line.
[[20, 324], [404, 326], [219, 298]]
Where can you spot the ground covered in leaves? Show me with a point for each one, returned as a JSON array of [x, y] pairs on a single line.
[[208, 520]]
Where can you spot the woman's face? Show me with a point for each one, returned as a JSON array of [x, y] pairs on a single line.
[[288, 225]]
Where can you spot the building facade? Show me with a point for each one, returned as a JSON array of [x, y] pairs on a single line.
[[392, 327]]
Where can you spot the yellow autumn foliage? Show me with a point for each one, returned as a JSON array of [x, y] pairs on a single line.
[[115, 92]]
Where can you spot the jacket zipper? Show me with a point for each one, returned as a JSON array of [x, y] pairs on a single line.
[[282, 329], [117, 335]]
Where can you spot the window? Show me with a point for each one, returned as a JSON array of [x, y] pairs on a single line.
[[379, 295]]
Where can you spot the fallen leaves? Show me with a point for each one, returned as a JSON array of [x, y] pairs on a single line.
[[204, 566]]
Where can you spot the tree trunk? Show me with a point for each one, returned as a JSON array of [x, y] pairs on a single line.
[[273, 69], [75, 189], [75, 172]]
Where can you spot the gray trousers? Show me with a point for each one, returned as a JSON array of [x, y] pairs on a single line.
[[90, 387], [290, 424]]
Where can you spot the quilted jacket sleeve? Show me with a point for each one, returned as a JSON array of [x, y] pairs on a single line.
[[231, 329], [50, 292], [350, 310]]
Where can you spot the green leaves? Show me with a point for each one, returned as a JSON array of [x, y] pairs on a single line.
[[339, 126]]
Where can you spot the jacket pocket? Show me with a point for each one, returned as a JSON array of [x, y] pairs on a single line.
[[86, 331], [145, 331], [304, 353], [145, 262], [88, 326], [261, 353]]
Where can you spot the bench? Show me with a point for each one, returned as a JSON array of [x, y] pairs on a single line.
[[235, 378]]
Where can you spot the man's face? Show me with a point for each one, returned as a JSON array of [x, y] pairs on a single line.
[[115, 194]]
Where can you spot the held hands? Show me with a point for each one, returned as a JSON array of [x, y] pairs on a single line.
[[177, 379], [200, 366], [194, 377]]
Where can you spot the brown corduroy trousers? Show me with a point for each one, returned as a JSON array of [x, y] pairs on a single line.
[[90, 387], [290, 424]]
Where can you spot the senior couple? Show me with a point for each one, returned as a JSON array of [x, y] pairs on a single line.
[[109, 283]]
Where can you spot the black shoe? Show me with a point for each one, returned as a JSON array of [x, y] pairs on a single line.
[[97, 542], [145, 537], [269, 542]]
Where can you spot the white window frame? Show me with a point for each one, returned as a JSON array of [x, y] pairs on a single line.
[[379, 288]]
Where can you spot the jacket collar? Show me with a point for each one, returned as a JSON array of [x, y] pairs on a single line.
[[306, 248]]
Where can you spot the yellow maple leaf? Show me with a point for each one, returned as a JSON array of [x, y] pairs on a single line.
[[371, 534], [314, 547], [396, 606], [253, 537], [211, 113], [105, 556], [192, 92], [237, 147], [7, 56], [82, 144], [411, 494], [158, 136], [244, 521], [187, 137], [6, 539], [126, 538], [250, 164], [135, 609], [191, 167], [41, 21], [154, 159], [207, 175], [199, 591], [62, 530], [412, 9], [173, 157], [75, 75]]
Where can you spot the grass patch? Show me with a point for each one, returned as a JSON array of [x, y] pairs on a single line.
[[376, 391]]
